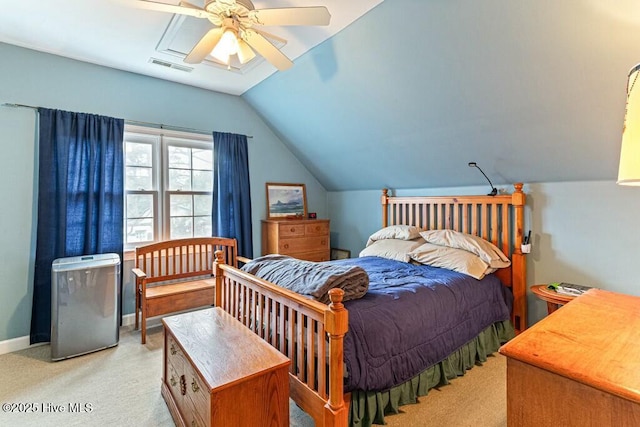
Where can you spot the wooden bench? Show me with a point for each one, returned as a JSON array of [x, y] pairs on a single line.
[[177, 275]]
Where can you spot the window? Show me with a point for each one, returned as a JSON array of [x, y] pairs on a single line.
[[168, 183]]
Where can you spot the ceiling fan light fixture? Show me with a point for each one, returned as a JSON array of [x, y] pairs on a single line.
[[245, 53], [234, 18], [227, 46]]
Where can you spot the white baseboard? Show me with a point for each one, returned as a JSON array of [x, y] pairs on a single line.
[[15, 344], [130, 320]]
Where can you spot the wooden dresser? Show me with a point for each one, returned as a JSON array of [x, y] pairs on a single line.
[[306, 239], [219, 373], [580, 366]]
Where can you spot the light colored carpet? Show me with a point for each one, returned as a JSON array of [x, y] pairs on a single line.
[[120, 386], [479, 398]]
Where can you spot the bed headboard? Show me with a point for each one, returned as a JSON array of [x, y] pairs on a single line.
[[498, 219]]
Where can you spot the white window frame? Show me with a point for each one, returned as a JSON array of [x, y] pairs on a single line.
[[161, 139]]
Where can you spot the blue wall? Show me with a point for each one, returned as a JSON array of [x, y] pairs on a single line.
[[39, 79], [582, 232], [531, 90]]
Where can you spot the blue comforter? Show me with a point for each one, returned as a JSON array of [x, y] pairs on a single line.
[[412, 317]]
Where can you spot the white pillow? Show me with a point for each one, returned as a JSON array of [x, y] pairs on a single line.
[[401, 232], [474, 244], [395, 249], [451, 258]]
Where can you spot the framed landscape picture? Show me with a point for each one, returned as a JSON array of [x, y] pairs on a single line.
[[286, 200]]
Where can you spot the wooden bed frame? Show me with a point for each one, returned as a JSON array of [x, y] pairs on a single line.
[[299, 327]]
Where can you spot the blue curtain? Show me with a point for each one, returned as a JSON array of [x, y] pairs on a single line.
[[80, 198], [231, 213]]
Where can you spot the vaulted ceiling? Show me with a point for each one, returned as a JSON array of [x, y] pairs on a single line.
[[413, 90], [532, 91], [123, 34]]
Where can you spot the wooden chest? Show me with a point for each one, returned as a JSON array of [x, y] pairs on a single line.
[[580, 366], [306, 239], [219, 373]]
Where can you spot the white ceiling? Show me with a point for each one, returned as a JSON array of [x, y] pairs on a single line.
[[115, 34]]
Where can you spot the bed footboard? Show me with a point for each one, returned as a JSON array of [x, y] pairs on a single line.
[[306, 331]]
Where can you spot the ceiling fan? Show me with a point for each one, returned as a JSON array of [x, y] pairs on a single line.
[[235, 32]]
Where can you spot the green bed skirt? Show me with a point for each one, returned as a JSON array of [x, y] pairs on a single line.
[[369, 408]]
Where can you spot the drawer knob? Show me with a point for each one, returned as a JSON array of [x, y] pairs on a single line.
[[173, 349], [324, 242], [194, 385], [183, 385], [286, 246], [318, 228], [293, 230]]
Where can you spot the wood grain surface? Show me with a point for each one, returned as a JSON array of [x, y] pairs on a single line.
[[579, 366]]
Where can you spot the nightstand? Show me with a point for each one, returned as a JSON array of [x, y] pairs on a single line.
[[554, 299]]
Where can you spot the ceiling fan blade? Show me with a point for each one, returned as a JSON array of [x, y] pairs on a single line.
[[185, 8], [204, 46], [318, 15], [270, 36], [245, 53], [266, 49]]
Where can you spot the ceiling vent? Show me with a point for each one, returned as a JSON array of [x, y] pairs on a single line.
[[168, 64]]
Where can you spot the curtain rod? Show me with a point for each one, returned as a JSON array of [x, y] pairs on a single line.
[[7, 104], [169, 127], [132, 122]]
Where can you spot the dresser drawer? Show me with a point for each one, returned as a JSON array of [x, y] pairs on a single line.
[[193, 416], [175, 379], [187, 388], [197, 398], [291, 230], [288, 246], [319, 228]]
